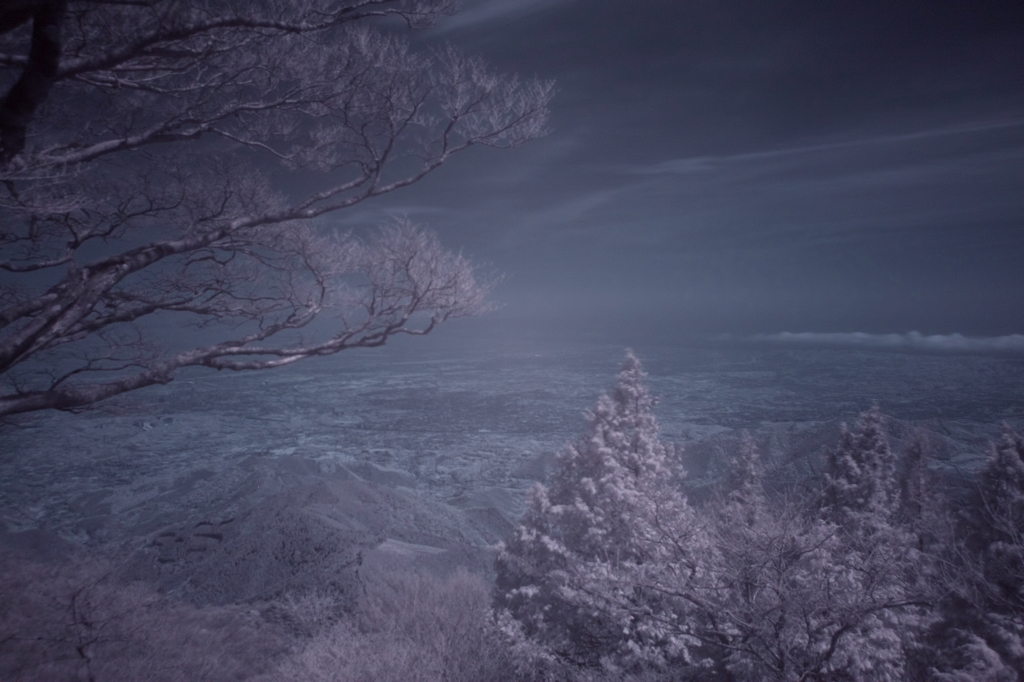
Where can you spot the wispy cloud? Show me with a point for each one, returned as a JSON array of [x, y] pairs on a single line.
[[956, 343], [697, 164], [926, 184]]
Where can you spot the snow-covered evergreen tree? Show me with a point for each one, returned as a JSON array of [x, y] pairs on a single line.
[[860, 482], [745, 499], [978, 632], [1001, 488], [873, 558], [999, 532], [923, 519], [573, 571]]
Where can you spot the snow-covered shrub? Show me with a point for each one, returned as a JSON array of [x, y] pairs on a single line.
[[411, 627]]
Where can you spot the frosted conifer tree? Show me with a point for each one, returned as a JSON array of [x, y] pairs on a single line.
[[872, 558], [860, 490], [1001, 535], [1001, 486], [572, 571], [746, 498], [979, 634]]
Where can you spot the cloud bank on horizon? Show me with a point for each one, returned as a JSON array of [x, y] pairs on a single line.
[[1013, 343]]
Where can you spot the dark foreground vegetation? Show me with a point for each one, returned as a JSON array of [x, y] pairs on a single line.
[[881, 568]]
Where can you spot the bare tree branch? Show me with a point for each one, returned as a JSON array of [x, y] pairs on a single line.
[[135, 184]]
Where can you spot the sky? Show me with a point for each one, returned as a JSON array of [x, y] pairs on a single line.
[[748, 167]]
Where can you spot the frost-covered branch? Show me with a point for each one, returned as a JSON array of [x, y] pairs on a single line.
[[135, 182]]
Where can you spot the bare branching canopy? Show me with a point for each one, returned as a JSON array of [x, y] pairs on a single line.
[[165, 161]]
